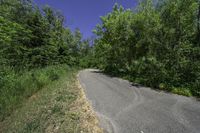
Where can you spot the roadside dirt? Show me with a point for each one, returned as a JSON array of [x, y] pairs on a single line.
[[89, 120]]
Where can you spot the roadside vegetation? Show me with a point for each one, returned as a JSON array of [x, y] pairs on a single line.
[[156, 45], [39, 60], [17, 87], [58, 107]]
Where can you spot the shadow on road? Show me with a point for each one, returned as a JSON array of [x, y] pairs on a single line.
[[115, 76]]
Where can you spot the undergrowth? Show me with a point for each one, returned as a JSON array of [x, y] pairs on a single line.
[[18, 86]]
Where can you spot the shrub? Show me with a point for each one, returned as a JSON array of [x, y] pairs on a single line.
[[196, 88], [148, 71]]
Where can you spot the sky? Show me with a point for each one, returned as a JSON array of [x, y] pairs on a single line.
[[84, 14]]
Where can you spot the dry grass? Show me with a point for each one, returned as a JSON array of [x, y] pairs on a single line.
[[89, 121], [60, 107]]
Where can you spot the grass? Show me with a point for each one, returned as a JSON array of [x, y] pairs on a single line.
[[17, 87], [58, 106]]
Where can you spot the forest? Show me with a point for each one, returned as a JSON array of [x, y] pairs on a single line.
[[155, 45], [35, 49]]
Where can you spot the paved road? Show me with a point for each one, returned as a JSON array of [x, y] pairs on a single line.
[[124, 108]]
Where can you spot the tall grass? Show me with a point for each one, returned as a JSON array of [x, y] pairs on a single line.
[[18, 86]]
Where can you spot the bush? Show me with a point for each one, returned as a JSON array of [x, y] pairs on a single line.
[[148, 71], [196, 88]]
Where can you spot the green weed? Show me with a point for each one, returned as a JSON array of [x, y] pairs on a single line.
[[182, 91], [18, 86]]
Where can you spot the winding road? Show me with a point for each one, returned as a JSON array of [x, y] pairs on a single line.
[[125, 108]]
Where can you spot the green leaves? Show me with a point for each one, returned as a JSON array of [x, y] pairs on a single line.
[[152, 45], [37, 38]]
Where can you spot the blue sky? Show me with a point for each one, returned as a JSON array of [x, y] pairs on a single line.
[[84, 14]]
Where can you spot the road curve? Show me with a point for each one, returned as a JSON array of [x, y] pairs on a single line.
[[124, 108]]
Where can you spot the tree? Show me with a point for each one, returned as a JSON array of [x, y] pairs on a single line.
[[152, 45], [38, 38]]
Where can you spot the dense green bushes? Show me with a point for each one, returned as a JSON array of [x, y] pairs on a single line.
[[148, 72], [157, 46], [17, 86]]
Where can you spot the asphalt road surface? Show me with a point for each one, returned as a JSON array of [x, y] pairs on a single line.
[[125, 108]]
